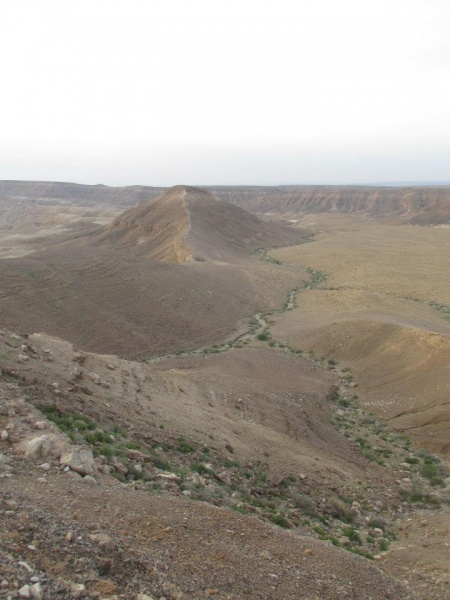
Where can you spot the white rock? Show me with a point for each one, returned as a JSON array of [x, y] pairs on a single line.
[[25, 592], [144, 597], [4, 435], [168, 477], [80, 460], [77, 590], [45, 466], [38, 446], [39, 425], [36, 591]]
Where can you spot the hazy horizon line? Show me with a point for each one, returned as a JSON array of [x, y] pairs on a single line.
[[201, 185]]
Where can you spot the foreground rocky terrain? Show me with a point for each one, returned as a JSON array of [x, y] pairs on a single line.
[[298, 505]]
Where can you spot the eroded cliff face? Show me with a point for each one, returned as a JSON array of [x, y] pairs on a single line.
[[422, 205]]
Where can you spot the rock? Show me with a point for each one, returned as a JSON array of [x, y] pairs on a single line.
[[25, 565], [79, 357], [136, 455], [95, 378], [73, 475], [36, 591], [88, 479], [25, 591], [104, 541], [38, 446], [77, 590], [45, 466], [11, 505], [120, 468], [40, 425], [169, 477], [230, 448], [144, 597], [4, 459], [80, 460], [344, 540], [4, 435]]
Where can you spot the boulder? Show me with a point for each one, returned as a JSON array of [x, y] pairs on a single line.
[[38, 446], [80, 460]]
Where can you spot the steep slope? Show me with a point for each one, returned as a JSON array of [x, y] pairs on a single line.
[[186, 223]]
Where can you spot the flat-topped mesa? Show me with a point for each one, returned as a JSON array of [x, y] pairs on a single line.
[[187, 224]]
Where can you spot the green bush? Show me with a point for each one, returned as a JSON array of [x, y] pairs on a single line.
[[184, 447], [279, 520], [200, 468]]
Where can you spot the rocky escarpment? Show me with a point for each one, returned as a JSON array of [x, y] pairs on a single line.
[[421, 205]]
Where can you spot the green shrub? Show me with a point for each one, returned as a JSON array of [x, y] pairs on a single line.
[[184, 447], [352, 534], [105, 450], [279, 520], [159, 463], [200, 468], [383, 544]]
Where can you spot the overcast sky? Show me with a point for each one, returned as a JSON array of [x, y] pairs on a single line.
[[161, 92]]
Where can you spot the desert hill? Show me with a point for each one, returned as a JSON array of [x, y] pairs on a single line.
[[187, 223], [121, 288]]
